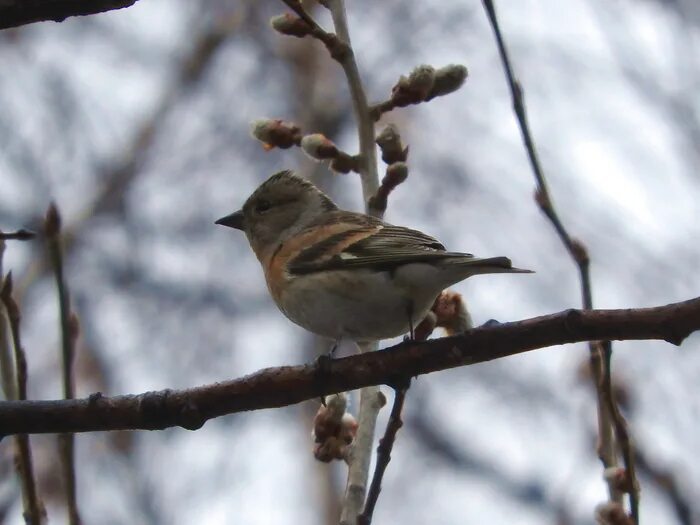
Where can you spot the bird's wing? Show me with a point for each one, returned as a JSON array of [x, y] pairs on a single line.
[[361, 241]]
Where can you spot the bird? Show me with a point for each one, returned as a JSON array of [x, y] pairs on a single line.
[[345, 275]]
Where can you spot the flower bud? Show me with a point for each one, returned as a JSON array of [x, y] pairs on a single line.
[[415, 88], [612, 513], [447, 80], [389, 141], [344, 163], [275, 133], [334, 429], [291, 25], [319, 147], [396, 173]]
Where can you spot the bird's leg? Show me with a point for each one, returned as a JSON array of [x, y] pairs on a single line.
[[334, 347], [323, 364], [411, 331]]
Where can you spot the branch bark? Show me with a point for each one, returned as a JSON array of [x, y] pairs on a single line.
[[15, 13], [282, 386]]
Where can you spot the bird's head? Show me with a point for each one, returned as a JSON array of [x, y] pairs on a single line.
[[281, 206]]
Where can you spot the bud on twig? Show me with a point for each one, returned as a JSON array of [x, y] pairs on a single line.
[[612, 513], [579, 251], [334, 429], [452, 314], [291, 25], [276, 133], [389, 141], [423, 84], [542, 199], [618, 479], [52, 222], [73, 326], [414, 88], [448, 79], [319, 147], [345, 163], [449, 312], [396, 173]]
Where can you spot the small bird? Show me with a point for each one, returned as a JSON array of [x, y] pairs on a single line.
[[345, 275]]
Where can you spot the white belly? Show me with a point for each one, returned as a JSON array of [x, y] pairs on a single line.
[[356, 304]]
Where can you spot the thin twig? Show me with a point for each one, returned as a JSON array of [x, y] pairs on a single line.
[[19, 235], [66, 441], [370, 396], [622, 434], [340, 48], [386, 444], [337, 48], [33, 510], [7, 362], [288, 385], [576, 249], [365, 124]]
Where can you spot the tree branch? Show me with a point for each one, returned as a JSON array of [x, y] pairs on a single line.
[[15, 13], [69, 329], [575, 248], [33, 508], [283, 386], [370, 396], [386, 444]]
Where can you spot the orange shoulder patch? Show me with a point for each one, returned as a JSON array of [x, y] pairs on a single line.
[[320, 243]]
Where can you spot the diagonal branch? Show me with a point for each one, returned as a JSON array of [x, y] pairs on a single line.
[[15, 13], [576, 249], [386, 444], [283, 386]]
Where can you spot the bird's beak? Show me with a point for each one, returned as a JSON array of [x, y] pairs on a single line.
[[235, 220]]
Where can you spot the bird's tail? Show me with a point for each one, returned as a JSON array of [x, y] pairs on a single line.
[[478, 266]]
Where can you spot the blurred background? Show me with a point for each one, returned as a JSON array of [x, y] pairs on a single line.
[[136, 123]]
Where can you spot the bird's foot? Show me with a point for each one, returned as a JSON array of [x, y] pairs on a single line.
[[323, 370]]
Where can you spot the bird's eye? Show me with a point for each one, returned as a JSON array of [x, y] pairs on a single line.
[[262, 206]]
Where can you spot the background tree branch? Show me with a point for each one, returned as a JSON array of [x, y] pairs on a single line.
[[282, 386], [15, 13]]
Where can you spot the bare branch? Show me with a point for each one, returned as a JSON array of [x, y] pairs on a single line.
[[283, 386], [69, 333], [576, 249], [621, 432], [386, 444], [33, 509], [370, 396], [365, 124], [15, 13], [19, 235]]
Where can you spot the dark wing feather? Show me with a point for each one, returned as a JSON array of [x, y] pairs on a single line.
[[389, 247]]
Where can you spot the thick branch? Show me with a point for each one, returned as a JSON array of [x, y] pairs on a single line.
[[282, 386], [15, 13]]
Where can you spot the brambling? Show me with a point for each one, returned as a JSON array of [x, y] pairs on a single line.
[[345, 275]]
